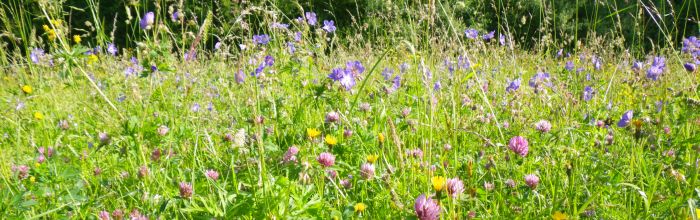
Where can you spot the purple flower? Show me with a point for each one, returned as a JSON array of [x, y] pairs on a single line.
[[175, 16], [513, 85], [471, 33], [397, 82], [290, 46], [297, 36], [36, 55], [147, 20], [463, 62], [347, 81], [437, 86], [539, 79], [240, 77], [543, 126], [212, 174], [569, 66], [691, 46], [637, 66], [112, 49], [657, 68], [426, 208], [387, 72], [269, 60], [532, 181], [502, 39], [626, 118], [310, 18], [332, 117], [185, 190], [336, 74], [403, 67], [690, 67], [328, 26], [326, 159], [278, 25], [488, 36], [588, 93], [367, 170], [518, 145], [659, 105], [261, 39], [454, 187], [354, 67], [290, 155]]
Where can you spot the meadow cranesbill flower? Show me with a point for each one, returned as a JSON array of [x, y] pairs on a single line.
[[437, 86], [657, 68], [147, 21], [185, 190], [637, 66], [310, 18], [240, 77], [354, 67], [455, 187], [328, 26], [625, 119], [175, 16], [543, 126], [518, 145], [539, 79], [488, 36], [360, 207], [347, 81], [367, 170], [597, 63], [690, 67], [277, 25], [569, 66], [691, 45], [261, 39], [36, 55], [513, 85], [104, 138], [426, 208], [291, 48], [438, 183], [387, 73], [290, 155], [471, 33], [532, 181], [502, 39], [112, 49], [587, 93], [326, 159], [403, 67]]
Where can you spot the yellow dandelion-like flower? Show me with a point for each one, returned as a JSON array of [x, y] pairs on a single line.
[[360, 207], [32, 179], [330, 140], [438, 183], [92, 58], [46, 28], [381, 137], [312, 133], [37, 164], [559, 216], [77, 39], [27, 89], [372, 158], [38, 115], [52, 35]]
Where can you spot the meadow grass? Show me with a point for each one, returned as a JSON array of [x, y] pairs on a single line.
[[337, 128]]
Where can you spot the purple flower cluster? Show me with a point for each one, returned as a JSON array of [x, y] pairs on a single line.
[[261, 39], [147, 21], [426, 208], [657, 68], [347, 76], [518, 145], [625, 119]]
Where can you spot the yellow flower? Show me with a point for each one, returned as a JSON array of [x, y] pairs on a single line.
[[330, 140], [38, 115], [438, 183], [77, 39], [360, 207], [559, 216], [46, 28], [52, 35], [372, 158], [92, 58], [381, 137], [312, 133], [27, 89], [32, 179], [37, 164], [56, 22]]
